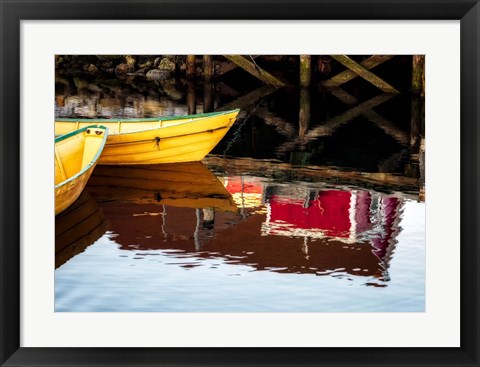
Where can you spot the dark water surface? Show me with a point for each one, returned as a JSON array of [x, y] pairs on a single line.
[[312, 202]]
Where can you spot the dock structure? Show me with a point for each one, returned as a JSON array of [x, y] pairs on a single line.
[[354, 69], [214, 67], [297, 136]]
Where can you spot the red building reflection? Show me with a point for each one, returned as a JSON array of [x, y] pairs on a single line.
[[286, 229]]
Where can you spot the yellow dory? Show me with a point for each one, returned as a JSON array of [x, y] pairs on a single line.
[[76, 155], [172, 139]]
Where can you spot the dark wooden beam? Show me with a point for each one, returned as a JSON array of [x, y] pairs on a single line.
[[329, 127], [364, 73], [282, 126], [247, 100], [387, 126], [305, 70], [255, 70], [406, 185], [225, 66], [418, 74], [347, 75]]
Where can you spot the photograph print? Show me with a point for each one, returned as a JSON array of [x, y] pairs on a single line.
[[239, 183]]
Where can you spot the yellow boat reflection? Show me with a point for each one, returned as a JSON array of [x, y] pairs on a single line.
[[189, 185], [77, 227]]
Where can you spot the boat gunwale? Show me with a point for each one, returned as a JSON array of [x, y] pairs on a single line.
[[191, 118], [95, 157], [149, 119]]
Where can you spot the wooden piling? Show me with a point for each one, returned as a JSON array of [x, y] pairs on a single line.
[[304, 112], [421, 195], [207, 97], [207, 67], [414, 166], [191, 66], [416, 119], [418, 74], [191, 98], [305, 70]]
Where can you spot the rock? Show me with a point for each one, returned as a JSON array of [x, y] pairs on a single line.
[[91, 69], [167, 65], [142, 71], [94, 88], [156, 74], [60, 101], [108, 61], [169, 86], [80, 83], [109, 57], [106, 65], [130, 60], [147, 64], [123, 69], [58, 60]]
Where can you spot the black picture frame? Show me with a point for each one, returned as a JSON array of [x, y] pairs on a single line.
[[13, 11]]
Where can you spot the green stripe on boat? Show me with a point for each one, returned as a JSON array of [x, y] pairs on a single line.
[[75, 132], [160, 118]]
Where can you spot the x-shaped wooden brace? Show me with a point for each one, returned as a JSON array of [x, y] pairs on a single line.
[[373, 116], [363, 109], [361, 69]]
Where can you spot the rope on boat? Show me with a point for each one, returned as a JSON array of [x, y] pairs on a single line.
[[157, 142], [236, 134]]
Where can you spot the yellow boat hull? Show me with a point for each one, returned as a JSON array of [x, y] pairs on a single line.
[[76, 155], [154, 141]]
